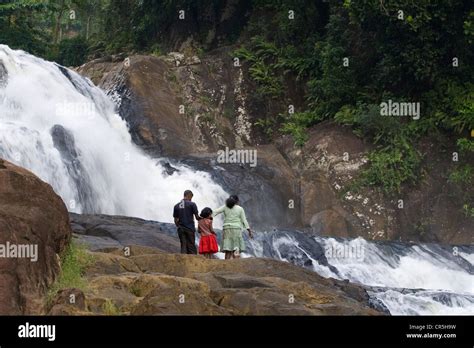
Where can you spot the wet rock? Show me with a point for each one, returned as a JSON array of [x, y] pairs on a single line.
[[3, 75], [329, 223], [267, 191], [64, 142]]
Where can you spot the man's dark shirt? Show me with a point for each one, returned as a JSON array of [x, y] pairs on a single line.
[[185, 211]]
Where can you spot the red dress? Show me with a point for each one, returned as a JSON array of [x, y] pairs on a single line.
[[208, 242]]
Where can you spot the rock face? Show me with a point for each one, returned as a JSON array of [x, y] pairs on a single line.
[[150, 282], [150, 277], [178, 105], [186, 108], [333, 157], [32, 216], [265, 191]]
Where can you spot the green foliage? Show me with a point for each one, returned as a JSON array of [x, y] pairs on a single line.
[[110, 308], [40, 27], [395, 162], [462, 175], [388, 58], [367, 122], [156, 50], [391, 167], [297, 124], [465, 173], [465, 145], [468, 210], [263, 66], [73, 264], [72, 52], [19, 25], [267, 125]]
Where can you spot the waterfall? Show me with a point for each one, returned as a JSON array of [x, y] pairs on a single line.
[[61, 127], [407, 279]]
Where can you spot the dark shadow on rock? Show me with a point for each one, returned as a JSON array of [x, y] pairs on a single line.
[[104, 231]]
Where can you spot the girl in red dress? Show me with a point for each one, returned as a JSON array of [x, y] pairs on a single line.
[[208, 242]]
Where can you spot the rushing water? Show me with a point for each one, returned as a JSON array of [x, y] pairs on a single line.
[[65, 130], [406, 278]]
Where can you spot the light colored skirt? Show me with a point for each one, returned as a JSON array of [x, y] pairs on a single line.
[[232, 240]]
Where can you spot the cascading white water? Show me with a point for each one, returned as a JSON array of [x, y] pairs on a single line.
[[408, 279], [443, 285], [65, 130]]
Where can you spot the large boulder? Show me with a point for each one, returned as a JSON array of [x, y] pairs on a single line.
[[160, 283], [34, 221]]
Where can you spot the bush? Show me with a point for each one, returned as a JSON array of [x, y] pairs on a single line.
[[463, 176], [367, 122], [72, 52], [73, 264], [391, 167], [262, 58], [110, 308]]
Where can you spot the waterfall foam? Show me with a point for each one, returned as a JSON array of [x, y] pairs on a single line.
[[408, 279], [65, 130]]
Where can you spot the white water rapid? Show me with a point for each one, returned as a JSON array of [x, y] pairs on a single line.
[[407, 279]]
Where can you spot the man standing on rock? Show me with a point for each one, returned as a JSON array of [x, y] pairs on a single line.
[[184, 213]]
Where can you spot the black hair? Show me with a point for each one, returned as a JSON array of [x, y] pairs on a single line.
[[231, 201], [206, 212], [188, 193]]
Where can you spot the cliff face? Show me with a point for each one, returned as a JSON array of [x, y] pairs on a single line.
[[186, 108]]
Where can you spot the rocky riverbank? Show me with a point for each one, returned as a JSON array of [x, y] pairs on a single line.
[[145, 279]]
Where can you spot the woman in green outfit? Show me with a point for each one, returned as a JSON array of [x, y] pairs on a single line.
[[234, 220]]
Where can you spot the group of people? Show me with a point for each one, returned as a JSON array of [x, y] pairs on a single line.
[[235, 221]]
